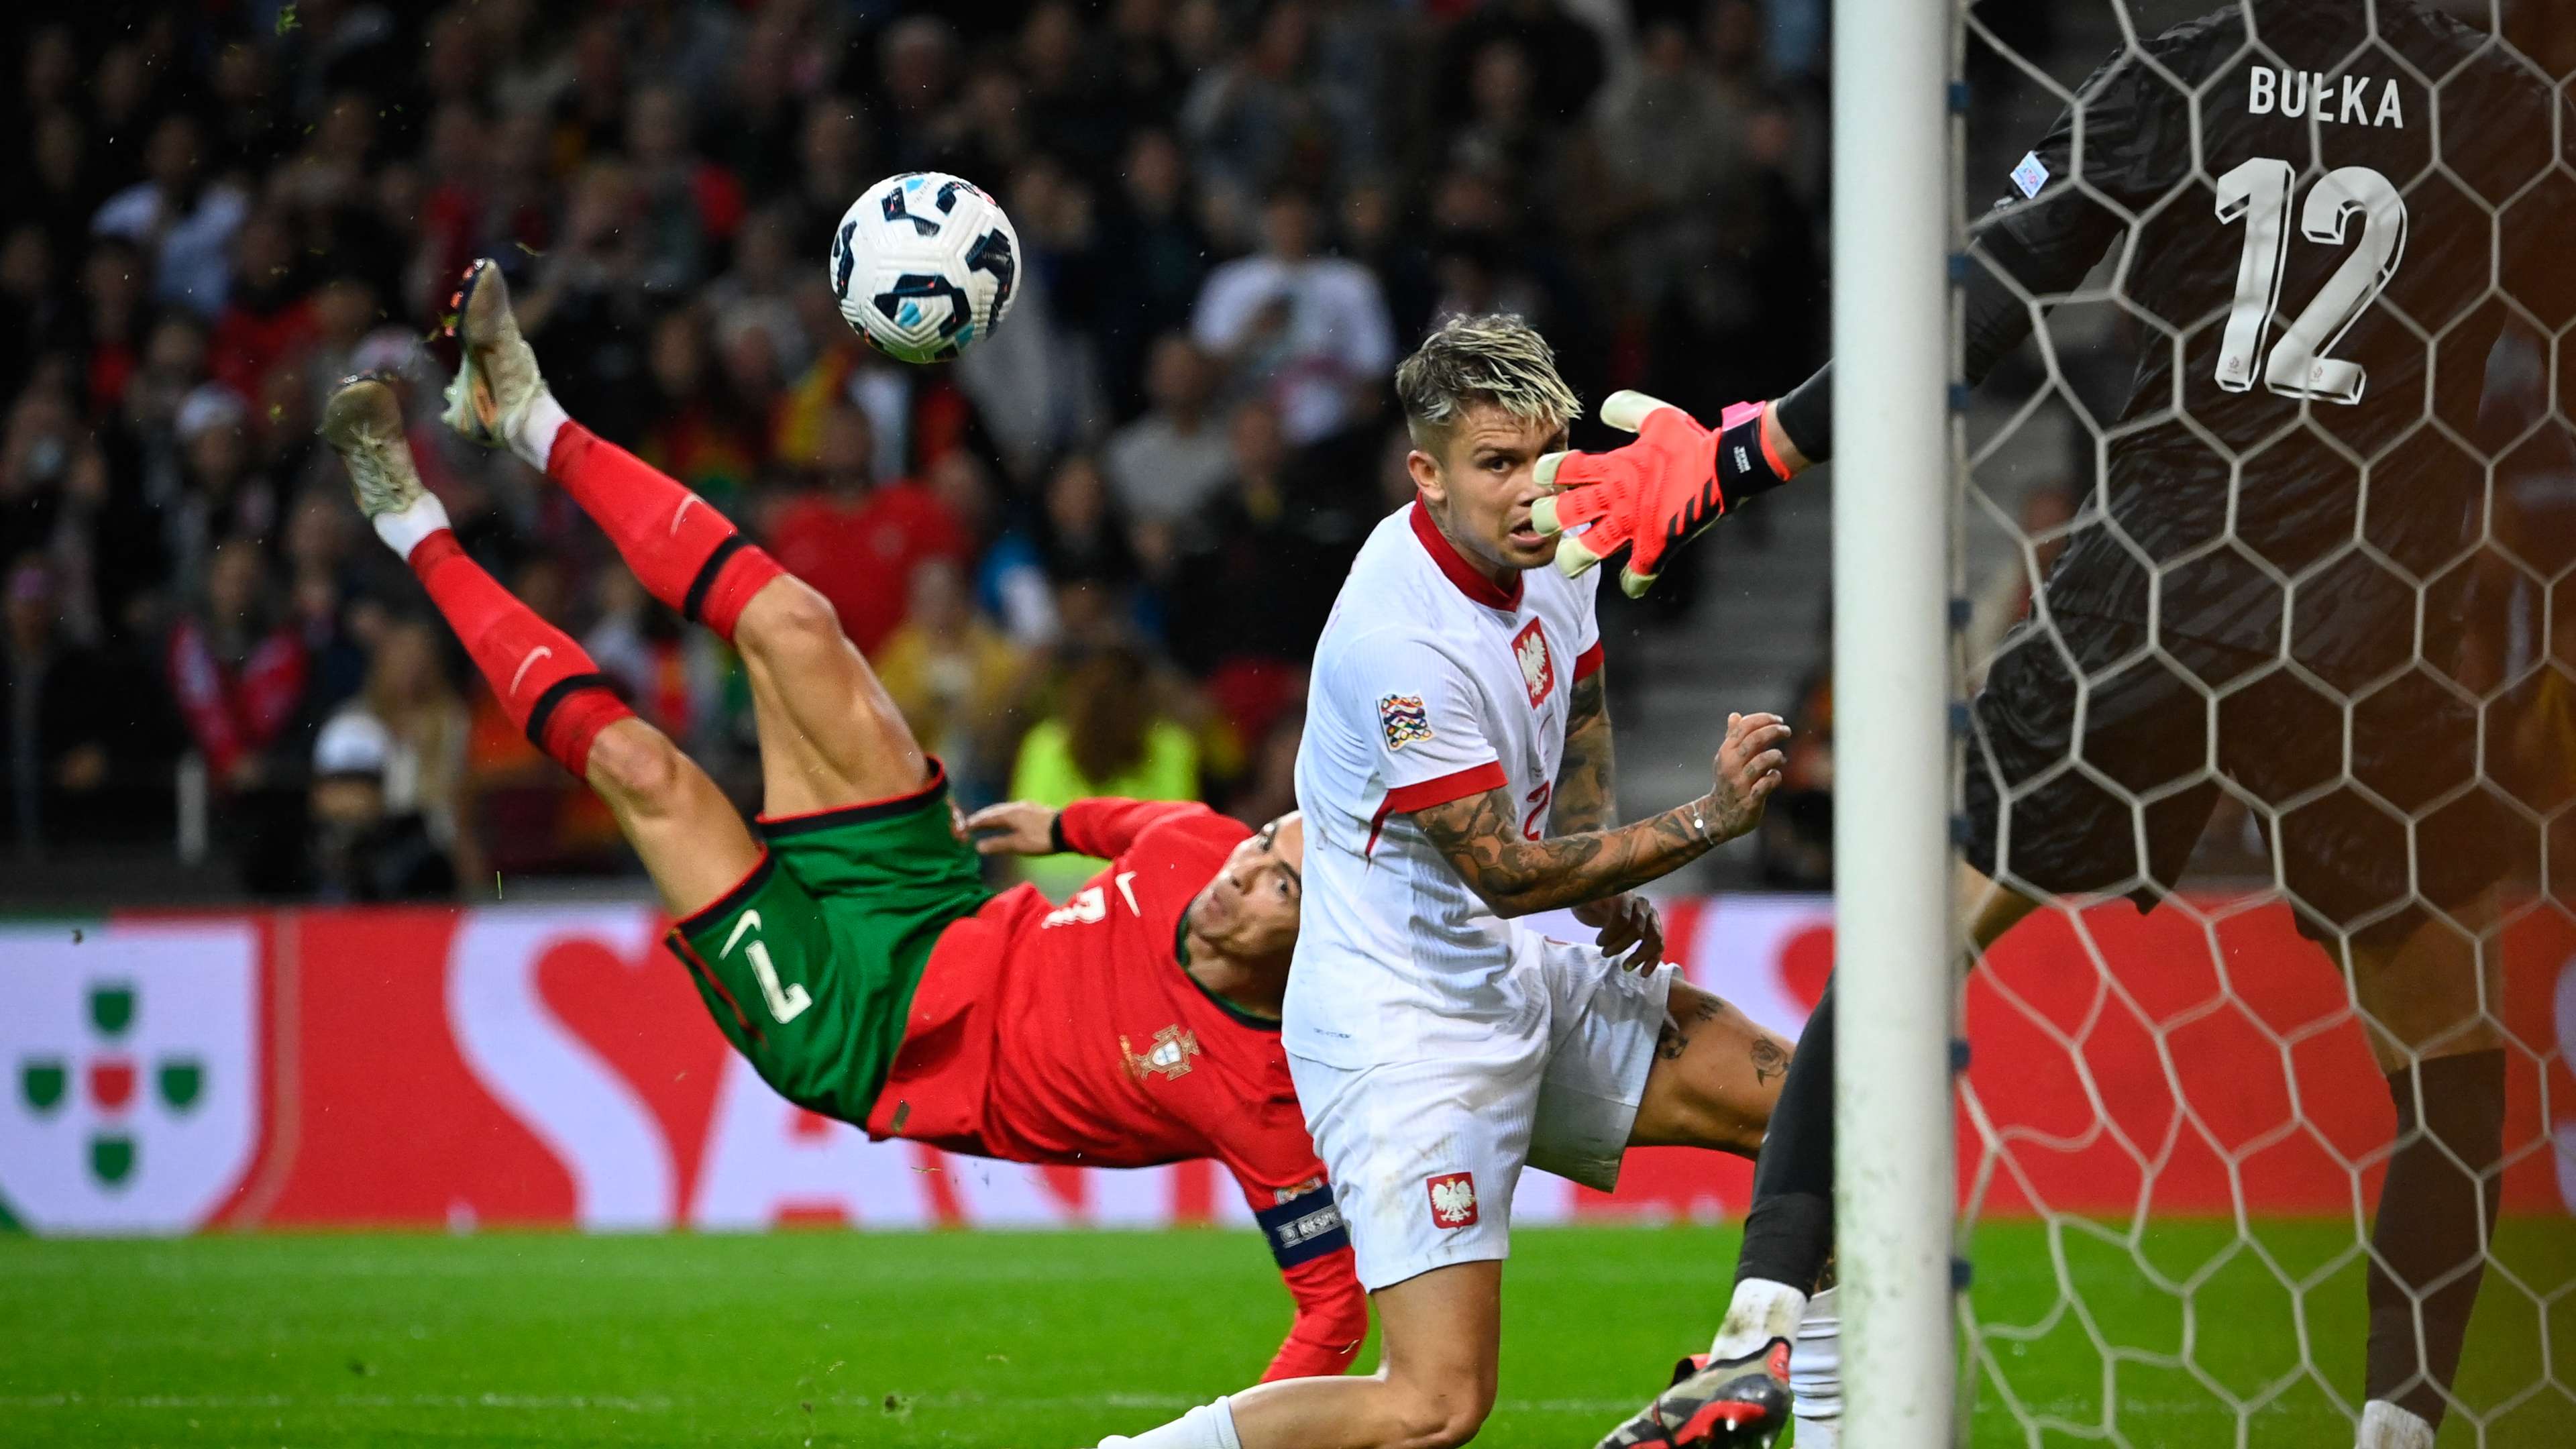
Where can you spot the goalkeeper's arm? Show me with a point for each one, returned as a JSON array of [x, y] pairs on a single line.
[[1680, 476], [1798, 429]]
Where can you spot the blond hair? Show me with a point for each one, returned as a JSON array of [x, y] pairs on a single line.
[[1496, 359]]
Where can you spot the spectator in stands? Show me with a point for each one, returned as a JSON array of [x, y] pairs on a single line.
[[689, 206], [75, 731], [917, 71], [859, 539], [1170, 462], [1261, 116], [833, 144], [760, 290], [35, 457], [703, 431], [954, 676], [1081, 539], [388, 780], [758, 112], [223, 496], [61, 187], [1660, 149], [1502, 134], [1566, 53], [1008, 579], [1108, 735], [1033, 382], [238, 668], [1253, 582], [322, 573], [1306, 331], [1376, 234], [185, 220], [1154, 260], [112, 284]]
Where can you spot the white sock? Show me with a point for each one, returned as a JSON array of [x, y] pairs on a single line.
[[1816, 1374], [534, 442], [403, 532], [1209, 1426], [1762, 1311], [2386, 1426]]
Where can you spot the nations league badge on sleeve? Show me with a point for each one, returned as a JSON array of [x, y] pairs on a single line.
[[2031, 174]]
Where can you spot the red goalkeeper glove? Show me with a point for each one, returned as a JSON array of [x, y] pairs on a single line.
[[1657, 492]]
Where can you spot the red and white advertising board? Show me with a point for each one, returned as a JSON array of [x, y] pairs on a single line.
[[551, 1065]]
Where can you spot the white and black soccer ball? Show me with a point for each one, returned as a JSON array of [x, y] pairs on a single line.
[[924, 265]]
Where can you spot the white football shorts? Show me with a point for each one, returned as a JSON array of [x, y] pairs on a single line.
[[1425, 1154]]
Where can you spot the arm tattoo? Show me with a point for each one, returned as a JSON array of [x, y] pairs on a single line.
[[1481, 836], [1586, 795]]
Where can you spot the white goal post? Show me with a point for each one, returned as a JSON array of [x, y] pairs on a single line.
[[1894, 230]]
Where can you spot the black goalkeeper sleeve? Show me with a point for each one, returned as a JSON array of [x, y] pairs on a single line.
[[1997, 321]]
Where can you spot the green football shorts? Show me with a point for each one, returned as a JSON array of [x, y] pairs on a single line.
[[809, 965]]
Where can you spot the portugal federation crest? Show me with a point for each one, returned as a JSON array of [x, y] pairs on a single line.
[[131, 1057], [1167, 1055]]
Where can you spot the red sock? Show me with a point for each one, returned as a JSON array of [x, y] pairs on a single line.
[[550, 687], [687, 555]]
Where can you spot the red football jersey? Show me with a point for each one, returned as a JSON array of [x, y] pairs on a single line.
[[1075, 1034]]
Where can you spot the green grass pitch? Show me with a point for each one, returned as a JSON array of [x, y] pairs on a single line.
[[1047, 1341]]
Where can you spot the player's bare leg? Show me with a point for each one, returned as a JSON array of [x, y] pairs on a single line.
[[829, 735], [2429, 1001], [1440, 1336], [690, 839], [1716, 1077]]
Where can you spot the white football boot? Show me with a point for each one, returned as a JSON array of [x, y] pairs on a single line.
[[497, 383], [362, 421]]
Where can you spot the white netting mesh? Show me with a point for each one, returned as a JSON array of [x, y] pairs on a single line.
[[2175, 1131]]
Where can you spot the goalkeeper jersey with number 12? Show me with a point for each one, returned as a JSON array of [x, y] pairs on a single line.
[[2316, 225]]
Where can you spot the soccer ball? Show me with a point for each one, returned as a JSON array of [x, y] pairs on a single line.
[[924, 265]]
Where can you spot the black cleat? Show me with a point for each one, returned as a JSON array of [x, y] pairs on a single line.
[[1734, 1403]]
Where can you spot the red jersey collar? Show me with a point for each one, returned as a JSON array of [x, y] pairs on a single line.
[[1472, 581]]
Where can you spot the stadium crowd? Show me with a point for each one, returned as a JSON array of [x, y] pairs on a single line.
[[1090, 558]]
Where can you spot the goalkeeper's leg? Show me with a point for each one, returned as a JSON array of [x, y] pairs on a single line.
[[2429, 999], [830, 737]]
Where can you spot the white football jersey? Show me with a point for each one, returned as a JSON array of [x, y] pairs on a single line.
[[1430, 684]]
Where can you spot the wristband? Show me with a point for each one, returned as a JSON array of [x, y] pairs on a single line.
[[1055, 835], [1745, 467]]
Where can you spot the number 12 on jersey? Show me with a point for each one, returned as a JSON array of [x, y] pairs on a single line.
[[2258, 194]]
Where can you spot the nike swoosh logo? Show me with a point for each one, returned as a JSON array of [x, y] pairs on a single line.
[[750, 922], [540, 652], [1125, 876]]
